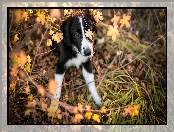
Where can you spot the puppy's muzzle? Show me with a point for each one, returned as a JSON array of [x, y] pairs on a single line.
[[87, 51]]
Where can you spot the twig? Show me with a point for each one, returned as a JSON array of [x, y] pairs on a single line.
[[26, 38], [37, 51]]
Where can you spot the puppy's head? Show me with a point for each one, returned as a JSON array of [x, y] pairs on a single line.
[[78, 32]]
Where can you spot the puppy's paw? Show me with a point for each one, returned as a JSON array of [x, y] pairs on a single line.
[[97, 100]]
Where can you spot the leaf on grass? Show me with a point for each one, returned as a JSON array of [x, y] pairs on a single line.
[[88, 107], [96, 118], [52, 85], [78, 117], [103, 109], [132, 111], [88, 115], [31, 104], [124, 21]]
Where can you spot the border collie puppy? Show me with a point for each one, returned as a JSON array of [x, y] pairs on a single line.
[[76, 49]]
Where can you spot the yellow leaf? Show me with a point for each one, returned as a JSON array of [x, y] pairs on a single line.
[[54, 103], [28, 59], [41, 90], [52, 85], [51, 32], [96, 118], [124, 21], [30, 97], [57, 37], [51, 111], [115, 19], [89, 34], [49, 42], [66, 12], [98, 16], [23, 58], [78, 117], [27, 90], [12, 86], [88, 115], [103, 109], [27, 112], [27, 67], [43, 106]]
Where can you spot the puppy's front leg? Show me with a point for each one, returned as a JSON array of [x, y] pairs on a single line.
[[89, 77], [59, 75]]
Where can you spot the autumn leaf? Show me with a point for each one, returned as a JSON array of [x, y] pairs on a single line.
[[135, 111], [88, 107], [124, 21], [23, 58], [49, 42], [103, 109], [52, 85], [27, 112], [96, 118], [27, 67], [40, 18], [13, 86], [98, 17], [51, 111], [75, 110], [41, 90], [89, 34], [57, 37], [43, 107], [30, 97], [54, 103], [115, 19], [113, 31], [51, 32], [80, 107], [16, 38], [88, 115], [66, 12], [58, 114], [78, 117], [31, 104], [132, 111], [27, 90], [28, 59]]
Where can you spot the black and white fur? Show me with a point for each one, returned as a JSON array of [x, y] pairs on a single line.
[[75, 50]]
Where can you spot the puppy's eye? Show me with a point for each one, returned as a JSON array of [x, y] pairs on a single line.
[[77, 34]]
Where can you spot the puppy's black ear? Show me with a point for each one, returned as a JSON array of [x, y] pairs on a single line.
[[90, 17], [65, 28]]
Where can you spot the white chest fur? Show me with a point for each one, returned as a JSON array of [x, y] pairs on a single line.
[[76, 61]]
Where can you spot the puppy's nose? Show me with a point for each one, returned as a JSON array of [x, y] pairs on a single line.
[[87, 51]]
